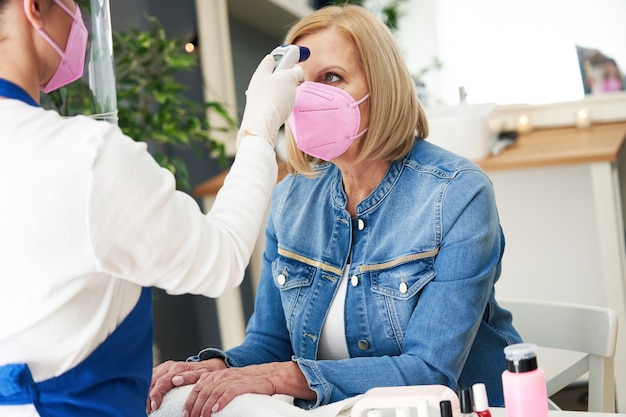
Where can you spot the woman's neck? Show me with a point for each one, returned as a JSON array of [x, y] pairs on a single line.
[[359, 180], [19, 63]]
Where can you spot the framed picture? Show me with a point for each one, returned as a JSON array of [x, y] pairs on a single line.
[[600, 73]]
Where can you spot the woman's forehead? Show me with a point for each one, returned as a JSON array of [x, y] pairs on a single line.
[[329, 45]]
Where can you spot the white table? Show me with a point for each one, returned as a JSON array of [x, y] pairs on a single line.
[[500, 412]]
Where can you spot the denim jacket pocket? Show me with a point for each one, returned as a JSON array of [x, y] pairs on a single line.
[[292, 278], [397, 290]]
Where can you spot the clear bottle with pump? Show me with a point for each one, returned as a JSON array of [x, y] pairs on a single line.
[[481, 403], [524, 383]]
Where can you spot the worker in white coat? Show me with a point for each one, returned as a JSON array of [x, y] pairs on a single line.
[[89, 222]]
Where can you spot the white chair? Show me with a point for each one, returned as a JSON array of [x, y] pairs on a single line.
[[573, 327]]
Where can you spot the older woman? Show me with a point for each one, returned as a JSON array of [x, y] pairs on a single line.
[[382, 249]]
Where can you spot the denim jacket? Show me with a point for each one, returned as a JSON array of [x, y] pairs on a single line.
[[424, 253]]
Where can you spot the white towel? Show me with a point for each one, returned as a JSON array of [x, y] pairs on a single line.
[[254, 405]]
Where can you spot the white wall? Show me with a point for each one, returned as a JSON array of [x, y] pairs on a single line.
[[508, 51]]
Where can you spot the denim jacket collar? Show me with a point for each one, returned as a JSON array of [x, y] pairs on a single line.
[[339, 198]]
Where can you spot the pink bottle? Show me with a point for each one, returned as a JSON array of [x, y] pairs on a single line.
[[524, 383]]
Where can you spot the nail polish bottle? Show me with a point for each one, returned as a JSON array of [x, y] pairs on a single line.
[[524, 383], [481, 403], [467, 403], [445, 408]]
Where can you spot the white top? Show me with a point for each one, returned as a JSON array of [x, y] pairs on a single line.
[[333, 344], [87, 217]]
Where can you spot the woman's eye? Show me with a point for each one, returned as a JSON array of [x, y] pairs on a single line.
[[332, 77]]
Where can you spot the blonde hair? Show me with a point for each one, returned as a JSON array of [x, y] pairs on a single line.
[[396, 115]]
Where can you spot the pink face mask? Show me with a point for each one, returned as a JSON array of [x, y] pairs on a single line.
[[325, 120], [611, 84], [73, 58]]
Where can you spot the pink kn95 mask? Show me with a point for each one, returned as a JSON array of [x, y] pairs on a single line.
[[73, 58], [325, 120]]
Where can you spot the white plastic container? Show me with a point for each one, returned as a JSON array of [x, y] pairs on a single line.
[[464, 129], [390, 399]]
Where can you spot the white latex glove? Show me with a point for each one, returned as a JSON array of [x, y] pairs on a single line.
[[270, 100]]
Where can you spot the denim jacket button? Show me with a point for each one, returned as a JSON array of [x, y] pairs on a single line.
[[363, 344], [354, 280], [404, 288], [281, 280], [361, 224]]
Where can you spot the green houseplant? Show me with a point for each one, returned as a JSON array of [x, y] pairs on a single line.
[[151, 102]]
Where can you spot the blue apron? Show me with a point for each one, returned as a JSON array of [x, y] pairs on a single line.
[[112, 381]]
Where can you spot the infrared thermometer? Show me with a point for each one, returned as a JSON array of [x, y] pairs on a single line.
[[286, 56]]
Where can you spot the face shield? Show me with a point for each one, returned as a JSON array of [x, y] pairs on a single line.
[[93, 94], [100, 62]]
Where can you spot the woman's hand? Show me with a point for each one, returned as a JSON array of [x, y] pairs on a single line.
[[172, 374], [214, 390]]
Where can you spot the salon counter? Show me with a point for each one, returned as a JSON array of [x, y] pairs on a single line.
[[560, 195]]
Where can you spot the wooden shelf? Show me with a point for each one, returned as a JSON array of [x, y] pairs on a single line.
[[561, 146]]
